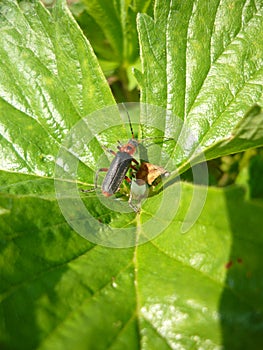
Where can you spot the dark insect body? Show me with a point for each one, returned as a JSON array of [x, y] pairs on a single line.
[[118, 168]]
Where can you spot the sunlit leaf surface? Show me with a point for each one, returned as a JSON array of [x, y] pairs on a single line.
[[202, 289]]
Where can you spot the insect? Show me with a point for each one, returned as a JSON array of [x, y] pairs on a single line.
[[119, 166], [124, 160]]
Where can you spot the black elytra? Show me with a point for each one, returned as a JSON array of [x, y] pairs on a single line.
[[119, 167]]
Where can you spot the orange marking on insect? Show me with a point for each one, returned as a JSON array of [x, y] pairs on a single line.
[[129, 148]]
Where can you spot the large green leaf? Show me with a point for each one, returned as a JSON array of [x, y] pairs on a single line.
[[57, 290], [203, 62], [198, 290]]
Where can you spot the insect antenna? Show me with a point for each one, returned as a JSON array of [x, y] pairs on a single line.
[[129, 120]]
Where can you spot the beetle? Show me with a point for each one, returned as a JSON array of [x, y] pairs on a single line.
[[121, 163], [119, 166]]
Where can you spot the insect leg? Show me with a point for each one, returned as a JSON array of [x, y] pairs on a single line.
[[128, 179], [134, 167], [100, 170], [135, 161], [96, 180], [109, 150], [119, 145]]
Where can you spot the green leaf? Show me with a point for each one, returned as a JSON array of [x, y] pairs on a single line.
[[50, 78], [201, 289], [212, 268], [248, 133], [111, 28], [255, 170], [102, 24], [203, 62], [58, 290]]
